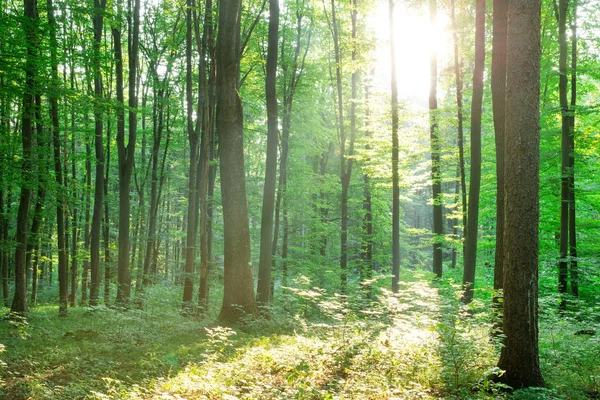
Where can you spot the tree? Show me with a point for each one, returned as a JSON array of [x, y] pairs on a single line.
[[192, 211], [519, 357], [395, 157], [475, 175], [30, 28], [436, 174], [58, 168], [126, 153], [460, 171], [498, 97], [263, 289], [99, 7], [568, 241], [238, 295]]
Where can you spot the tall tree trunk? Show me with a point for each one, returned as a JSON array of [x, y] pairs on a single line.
[[126, 154], [475, 181], [563, 266], [29, 24], [206, 145], [366, 254], [99, 6], [459, 115], [436, 178], [86, 231], [263, 288], [498, 97], [519, 356], [395, 151], [573, 268], [192, 211], [238, 296], [106, 222], [63, 279]]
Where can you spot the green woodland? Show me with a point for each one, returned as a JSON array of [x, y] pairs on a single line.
[[299, 199]]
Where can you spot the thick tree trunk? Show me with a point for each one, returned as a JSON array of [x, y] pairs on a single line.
[[436, 178], [475, 181], [193, 199], [263, 289], [238, 296], [126, 155], [519, 356], [498, 99]]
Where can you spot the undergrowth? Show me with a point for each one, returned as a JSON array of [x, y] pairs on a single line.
[[422, 343]]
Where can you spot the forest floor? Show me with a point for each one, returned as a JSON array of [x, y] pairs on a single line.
[[421, 344]]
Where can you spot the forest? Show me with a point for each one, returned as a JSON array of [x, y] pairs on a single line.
[[299, 199]]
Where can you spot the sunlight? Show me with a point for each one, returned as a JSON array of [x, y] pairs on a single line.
[[415, 38]]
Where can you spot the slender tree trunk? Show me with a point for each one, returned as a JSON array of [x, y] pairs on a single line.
[[263, 289], [367, 223], [573, 268], [29, 24], [563, 266], [436, 178], [106, 222], [99, 6], [86, 232], [63, 279], [459, 116], [395, 151], [519, 356], [238, 296], [475, 181]]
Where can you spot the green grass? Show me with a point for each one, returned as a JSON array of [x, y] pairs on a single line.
[[421, 344]]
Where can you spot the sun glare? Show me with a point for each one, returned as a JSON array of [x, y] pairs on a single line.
[[415, 38]]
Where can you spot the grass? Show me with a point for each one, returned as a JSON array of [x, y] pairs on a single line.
[[421, 344]]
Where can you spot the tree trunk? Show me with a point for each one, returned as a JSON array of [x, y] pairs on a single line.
[[126, 154], [459, 116], [366, 254], [192, 211], [498, 98], [99, 6], [573, 268], [436, 178], [519, 356], [238, 296], [86, 232], [63, 279], [263, 289], [563, 266], [395, 151], [475, 181], [30, 23]]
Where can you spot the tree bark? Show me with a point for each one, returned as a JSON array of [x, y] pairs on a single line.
[[126, 155], [500, 17], [238, 295], [436, 178], [519, 356], [395, 151], [263, 289], [29, 24], [475, 181], [99, 6]]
